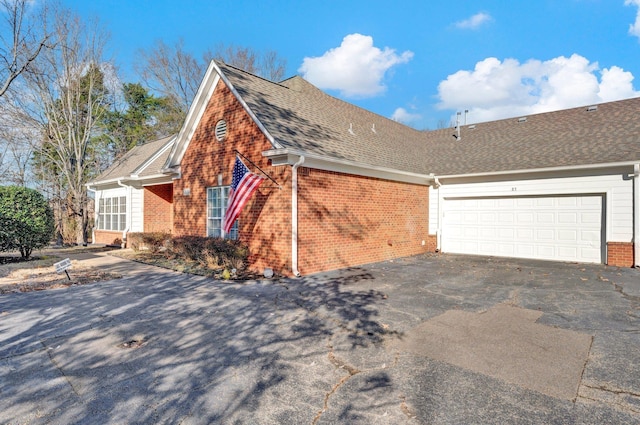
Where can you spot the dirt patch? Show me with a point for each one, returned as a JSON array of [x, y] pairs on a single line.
[[40, 274]]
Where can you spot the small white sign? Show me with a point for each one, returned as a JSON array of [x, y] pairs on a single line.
[[63, 265]]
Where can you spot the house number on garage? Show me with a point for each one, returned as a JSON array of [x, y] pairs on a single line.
[[513, 189]]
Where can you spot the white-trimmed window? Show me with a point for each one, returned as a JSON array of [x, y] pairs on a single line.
[[217, 199], [112, 213]]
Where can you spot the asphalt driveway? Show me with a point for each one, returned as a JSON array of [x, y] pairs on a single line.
[[436, 339]]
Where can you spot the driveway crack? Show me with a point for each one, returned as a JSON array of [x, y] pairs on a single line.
[[406, 409], [625, 400], [57, 366], [339, 364]]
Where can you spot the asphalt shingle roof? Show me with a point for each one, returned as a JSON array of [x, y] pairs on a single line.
[[300, 116], [571, 137], [136, 157]]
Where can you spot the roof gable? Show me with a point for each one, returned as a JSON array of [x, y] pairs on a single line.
[[142, 161], [296, 115], [154, 164], [209, 83]]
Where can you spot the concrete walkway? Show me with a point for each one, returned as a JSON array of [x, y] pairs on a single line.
[[423, 340]]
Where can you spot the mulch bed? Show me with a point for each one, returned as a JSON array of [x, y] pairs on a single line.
[[184, 266]]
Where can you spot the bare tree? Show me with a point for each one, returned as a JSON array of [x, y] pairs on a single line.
[[15, 160], [171, 71], [67, 97], [175, 73], [21, 40], [273, 67], [267, 65], [241, 57]]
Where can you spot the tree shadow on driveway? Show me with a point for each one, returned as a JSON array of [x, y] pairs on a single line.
[[175, 347]]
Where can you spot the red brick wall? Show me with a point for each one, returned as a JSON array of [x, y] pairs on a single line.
[[620, 254], [109, 237], [158, 208], [432, 243], [264, 223], [346, 220]]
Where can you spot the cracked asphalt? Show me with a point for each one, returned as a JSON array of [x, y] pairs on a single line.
[[163, 347]]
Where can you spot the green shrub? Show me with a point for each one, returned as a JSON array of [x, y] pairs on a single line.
[[26, 220]]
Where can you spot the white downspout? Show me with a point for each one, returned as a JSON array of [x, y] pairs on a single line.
[[96, 203], [636, 214], [294, 216], [440, 218], [126, 230]]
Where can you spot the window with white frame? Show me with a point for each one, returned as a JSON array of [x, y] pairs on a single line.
[[112, 213], [217, 199]]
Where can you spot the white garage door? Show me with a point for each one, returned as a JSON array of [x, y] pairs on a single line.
[[562, 228]]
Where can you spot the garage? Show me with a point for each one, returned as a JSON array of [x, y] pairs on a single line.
[[557, 228]]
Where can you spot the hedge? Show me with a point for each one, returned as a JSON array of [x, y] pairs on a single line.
[[26, 220]]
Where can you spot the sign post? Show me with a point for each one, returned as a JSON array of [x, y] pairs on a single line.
[[63, 266]]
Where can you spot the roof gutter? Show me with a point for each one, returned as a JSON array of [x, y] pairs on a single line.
[[541, 170], [117, 181], [132, 178], [291, 157]]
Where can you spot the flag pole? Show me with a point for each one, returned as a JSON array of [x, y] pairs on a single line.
[[251, 162]]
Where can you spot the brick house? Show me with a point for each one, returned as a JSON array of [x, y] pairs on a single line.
[[351, 187], [133, 195]]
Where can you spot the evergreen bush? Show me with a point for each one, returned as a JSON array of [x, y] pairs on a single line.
[[26, 220]]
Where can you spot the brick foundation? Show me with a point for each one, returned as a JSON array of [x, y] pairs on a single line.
[[107, 237], [432, 243], [620, 254]]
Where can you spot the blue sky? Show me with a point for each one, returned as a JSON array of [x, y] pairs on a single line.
[[415, 61]]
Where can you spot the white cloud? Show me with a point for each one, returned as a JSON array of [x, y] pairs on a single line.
[[474, 22], [496, 89], [634, 29], [616, 83], [356, 68], [404, 116]]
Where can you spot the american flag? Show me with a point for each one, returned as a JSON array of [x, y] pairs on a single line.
[[243, 185]]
